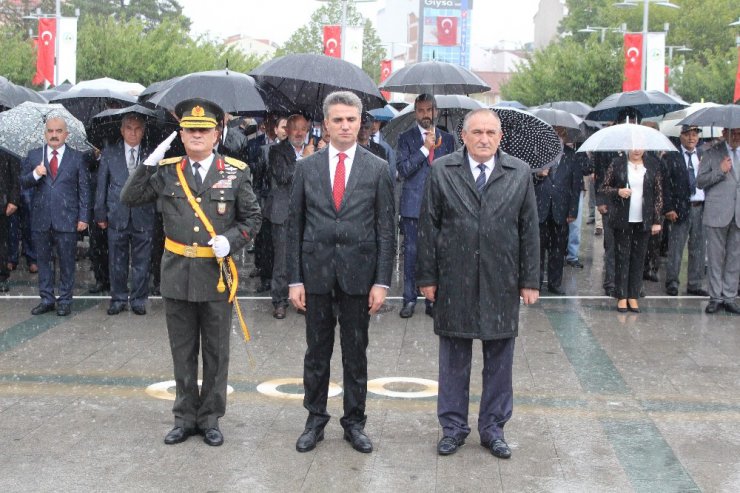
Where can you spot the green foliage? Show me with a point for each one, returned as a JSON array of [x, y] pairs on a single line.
[[151, 12], [309, 38], [18, 60], [713, 80]]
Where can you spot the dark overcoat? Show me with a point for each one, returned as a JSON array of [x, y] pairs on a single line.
[[479, 249]]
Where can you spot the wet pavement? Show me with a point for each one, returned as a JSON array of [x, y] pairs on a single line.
[[604, 402]]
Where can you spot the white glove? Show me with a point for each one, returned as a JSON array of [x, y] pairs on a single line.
[[220, 246], [158, 154]]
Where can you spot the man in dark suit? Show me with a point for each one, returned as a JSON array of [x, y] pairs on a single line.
[[719, 177], [282, 162], [10, 199], [558, 189], [340, 251], [129, 229], [61, 208], [683, 203], [198, 313], [363, 138], [418, 147], [478, 253]]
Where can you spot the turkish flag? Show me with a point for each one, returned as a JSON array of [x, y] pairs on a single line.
[[333, 41], [45, 50], [447, 31], [385, 71], [737, 78], [632, 62]]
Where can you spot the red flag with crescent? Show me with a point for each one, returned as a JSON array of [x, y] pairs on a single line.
[[333, 41], [632, 62], [385, 71], [736, 98], [447, 31], [45, 49]]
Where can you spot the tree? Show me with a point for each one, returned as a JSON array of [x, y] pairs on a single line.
[[309, 38], [713, 80], [150, 12], [18, 62]]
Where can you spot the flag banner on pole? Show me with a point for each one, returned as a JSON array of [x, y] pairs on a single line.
[[632, 62], [447, 31], [353, 45], [333, 41], [385, 71], [46, 47], [736, 97], [655, 70], [67, 59]]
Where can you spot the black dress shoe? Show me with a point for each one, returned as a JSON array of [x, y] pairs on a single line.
[[732, 307], [178, 434], [359, 440], [99, 287], [155, 291], [575, 263], [116, 308], [64, 310], [499, 448], [650, 276], [279, 312], [213, 437], [42, 308], [712, 307], [408, 310], [138, 310], [308, 439], [4, 288], [449, 445], [556, 290], [429, 310], [697, 292], [671, 290]]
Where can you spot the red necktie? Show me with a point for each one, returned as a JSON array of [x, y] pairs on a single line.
[[338, 191], [54, 165], [431, 151]]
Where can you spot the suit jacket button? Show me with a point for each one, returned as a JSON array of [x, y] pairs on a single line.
[[196, 229], [198, 199], [337, 219]]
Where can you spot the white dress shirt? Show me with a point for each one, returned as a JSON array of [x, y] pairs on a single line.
[[334, 160], [424, 133], [205, 165], [699, 195], [474, 167], [636, 180], [49, 155]]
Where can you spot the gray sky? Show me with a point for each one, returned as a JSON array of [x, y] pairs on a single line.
[[276, 20]]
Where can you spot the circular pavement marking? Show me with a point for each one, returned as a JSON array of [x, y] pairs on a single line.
[[272, 388], [161, 390], [379, 386]]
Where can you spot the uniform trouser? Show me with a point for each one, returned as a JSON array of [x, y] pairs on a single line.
[[137, 246], [354, 320], [279, 284], [574, 234], [631, 245], [690, 229], [157, 249], [4, 229], [410, 231], [263, 258], [609, 254], [553, 241], [190, 325], [497, 397], [99, 253], [723, 256], [65, 245]]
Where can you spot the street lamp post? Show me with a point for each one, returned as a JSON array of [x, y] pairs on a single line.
[[678, 48], [593, 29]]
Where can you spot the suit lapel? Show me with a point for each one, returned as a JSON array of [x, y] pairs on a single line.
[[464, 185], [354, 176], [325, 180]]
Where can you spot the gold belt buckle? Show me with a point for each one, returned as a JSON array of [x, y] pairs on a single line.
[[191, 251]]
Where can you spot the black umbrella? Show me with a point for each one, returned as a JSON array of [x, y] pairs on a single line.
[[233, 91], [434, 78], [11, 95], [105, 127], [646, 103], [575, 107], [725, 116], [510, 104], [156, 87], [527, 137], [84, 103], [299, 83]]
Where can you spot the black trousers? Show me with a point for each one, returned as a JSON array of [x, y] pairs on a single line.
[[4, 242], [263, 257], [99, 253], [631, 247], [553, 243], [157, 249], [354, 320]]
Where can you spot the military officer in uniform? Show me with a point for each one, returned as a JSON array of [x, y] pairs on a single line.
[[197, 314]]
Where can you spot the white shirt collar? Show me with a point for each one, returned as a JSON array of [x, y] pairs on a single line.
[[205, 164], [424, 131], [60, 151], [334, 152]]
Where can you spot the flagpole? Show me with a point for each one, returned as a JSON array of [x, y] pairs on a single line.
[[58, 20]]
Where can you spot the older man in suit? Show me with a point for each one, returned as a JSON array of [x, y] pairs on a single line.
[[478, 253], [719, 177], [418, 147], [61, 209], [130, 229], [340, 251]]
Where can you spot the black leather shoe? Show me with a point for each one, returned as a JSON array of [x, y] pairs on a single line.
[[712, 307], [499, 448], [116, 308], [408, 310], [555, 290], [697, 292], [575, 263], [359, 440], [671, 290], [449, 445], [99, 287], [213, 437], [732, 307], [429, 310], [178, 434], [155, 291], [633, 309], [650, 276], [42, 308], [4, 287], [308, 439], [139, 310], [64, 310], [279, 312]]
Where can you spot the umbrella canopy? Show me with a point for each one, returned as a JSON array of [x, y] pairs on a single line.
[[233, 91], [299, 83], [84, 103], [510, 104], [450, 111], [155, 87], [647, 103], [11, 95], [56, 90], [527, 137], [625, 137], [434, 77], [22, 128], [384, 114], [725, 116], [558, 118], [105, 127], [575, 107], [130, 88], [669, 124]]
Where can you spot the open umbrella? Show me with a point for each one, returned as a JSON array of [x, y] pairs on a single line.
[[299, 83], [576, 107], [434, 77], [527, 137], [105, 127], [451, 109], [11, 95], [669, 124], [156, 87], [22, 128], [558, 118], [384, 114], [627, 136], [647, 103], [50, 94], [234, 92], [510, 104], [725, 116], [84, 103], [115, 85]]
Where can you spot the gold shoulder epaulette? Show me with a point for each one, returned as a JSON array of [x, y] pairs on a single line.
[[170, 160], [235, 163]]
